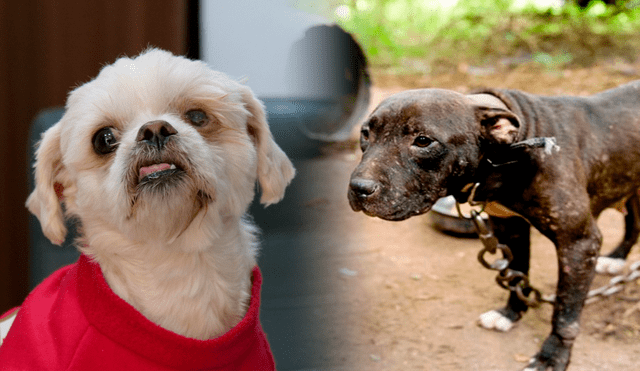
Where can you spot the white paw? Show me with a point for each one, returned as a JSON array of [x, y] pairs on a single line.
[[612, 266], [493, 320], [530, 366]]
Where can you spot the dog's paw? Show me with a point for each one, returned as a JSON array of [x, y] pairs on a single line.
[[495, 320], [554, 356], [612, 266]]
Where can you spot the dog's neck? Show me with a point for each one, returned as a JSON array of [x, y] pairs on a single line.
[[198, 294], [502, 170], [501, 173]]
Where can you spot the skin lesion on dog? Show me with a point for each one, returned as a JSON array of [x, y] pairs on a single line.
[[162, 205], [553, 161]]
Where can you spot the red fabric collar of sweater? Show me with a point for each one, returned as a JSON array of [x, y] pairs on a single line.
[[123, 324]]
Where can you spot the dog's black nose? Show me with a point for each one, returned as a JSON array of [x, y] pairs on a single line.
[[156, 133], [363, 187]]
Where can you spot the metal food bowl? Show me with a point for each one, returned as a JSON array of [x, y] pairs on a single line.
[[445, 218]]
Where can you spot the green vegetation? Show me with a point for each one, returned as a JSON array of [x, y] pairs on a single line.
[[420, 35]]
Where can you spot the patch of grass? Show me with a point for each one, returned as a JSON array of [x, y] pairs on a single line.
[[413, 35]]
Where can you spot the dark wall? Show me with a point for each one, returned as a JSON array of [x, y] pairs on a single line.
[[47, 47]]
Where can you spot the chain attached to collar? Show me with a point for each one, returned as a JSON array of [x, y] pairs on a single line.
[[517, 281], [507, 278], [471, 188], [510, 279]]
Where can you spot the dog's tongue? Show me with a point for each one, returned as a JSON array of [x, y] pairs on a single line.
[[146, 170]]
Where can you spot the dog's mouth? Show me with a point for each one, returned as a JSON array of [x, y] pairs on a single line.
[[396, 215], [159, 176], [389, 209], [155, 172]]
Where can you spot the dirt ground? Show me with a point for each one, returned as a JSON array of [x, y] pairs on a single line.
[[410, 296]]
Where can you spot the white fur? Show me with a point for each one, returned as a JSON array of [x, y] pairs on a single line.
[[5, 325], [611, 266], [182, 260], [493, 320]]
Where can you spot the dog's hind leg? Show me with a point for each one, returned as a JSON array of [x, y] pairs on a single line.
[[514, 232], [614, 262]]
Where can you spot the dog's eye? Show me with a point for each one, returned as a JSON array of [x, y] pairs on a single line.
[[197, 117], [422, 141], [364, 134], [104, 141], [364, 139]]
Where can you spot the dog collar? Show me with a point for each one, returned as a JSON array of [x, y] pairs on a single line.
[[506, 155], [548, 143]]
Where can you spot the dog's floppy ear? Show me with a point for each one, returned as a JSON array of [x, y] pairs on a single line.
[[497, 125], [275, 170], [43, 201]]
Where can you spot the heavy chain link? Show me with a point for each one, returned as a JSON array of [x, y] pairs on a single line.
[[507, 278], [615, 285], [517, 281]]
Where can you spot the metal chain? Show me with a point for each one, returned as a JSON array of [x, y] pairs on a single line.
[[517, 281], [615, 285], [507, 278]]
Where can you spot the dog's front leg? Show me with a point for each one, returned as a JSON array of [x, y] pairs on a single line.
[[515, 233], [577, 253]]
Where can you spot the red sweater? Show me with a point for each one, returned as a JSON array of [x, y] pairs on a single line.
[[74, 321]]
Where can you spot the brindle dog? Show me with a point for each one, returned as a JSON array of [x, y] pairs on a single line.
[[420, 145]]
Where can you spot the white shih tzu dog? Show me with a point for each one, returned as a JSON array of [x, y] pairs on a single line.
[[158, 159]]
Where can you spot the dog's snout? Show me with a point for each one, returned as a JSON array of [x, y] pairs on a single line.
[[363, 187], [156, 133]]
